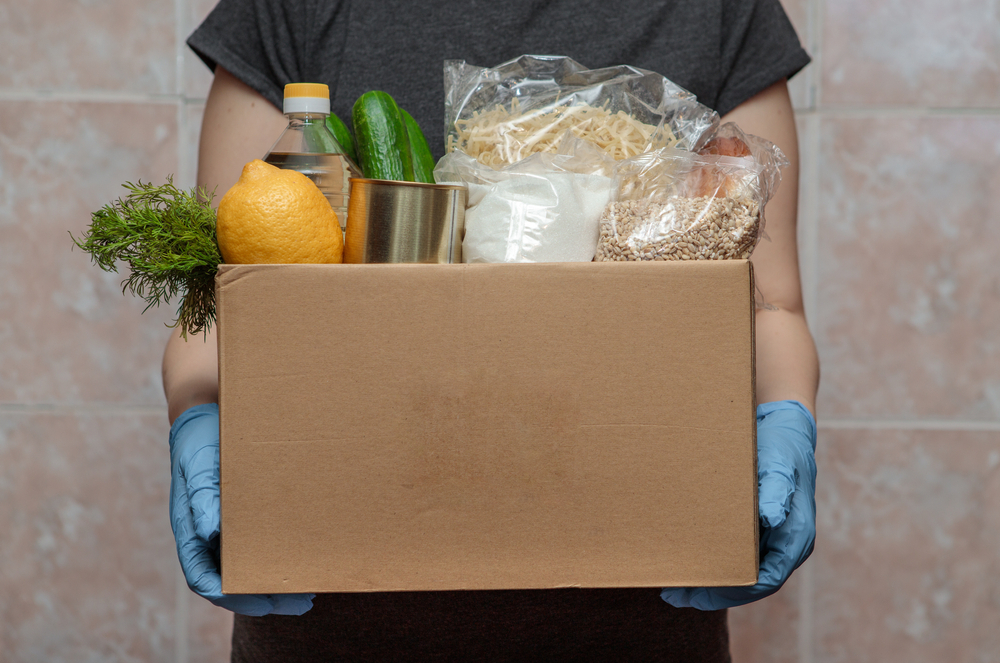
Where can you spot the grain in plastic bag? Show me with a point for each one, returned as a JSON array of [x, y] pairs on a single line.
[[503, 114], [672, 204]]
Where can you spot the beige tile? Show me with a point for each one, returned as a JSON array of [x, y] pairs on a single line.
[[908, 289], [67, 332], [908, 547], [800, 87], [193, 113], [798, 13], [88, 556], [768, 631], [115, 45], [197, 76], [210, 632], [923, 52]]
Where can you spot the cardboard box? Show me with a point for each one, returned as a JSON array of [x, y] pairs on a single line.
[[423, 427]]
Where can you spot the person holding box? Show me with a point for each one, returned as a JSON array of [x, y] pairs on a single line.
[[736, 56]]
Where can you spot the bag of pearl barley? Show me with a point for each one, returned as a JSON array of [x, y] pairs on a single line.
[[672, 204]]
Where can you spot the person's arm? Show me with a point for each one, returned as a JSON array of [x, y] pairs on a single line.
[[787, 364], [787, 379], [239, 125]]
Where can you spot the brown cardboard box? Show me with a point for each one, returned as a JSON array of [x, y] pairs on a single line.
[[420, 427]]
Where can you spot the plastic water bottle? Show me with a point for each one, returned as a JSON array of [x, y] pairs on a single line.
[[308, 146]]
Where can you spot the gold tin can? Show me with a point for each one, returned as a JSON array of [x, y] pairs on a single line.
[[409, 222]]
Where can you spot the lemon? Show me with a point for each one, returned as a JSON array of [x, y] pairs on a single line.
[[277, 216]]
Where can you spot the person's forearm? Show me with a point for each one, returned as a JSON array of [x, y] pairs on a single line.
[[190, 372], [238, 125], [787, 363]]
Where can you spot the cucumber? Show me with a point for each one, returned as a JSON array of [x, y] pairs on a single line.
[[380, 138], [318, 138], [343, 135], [423, 162]]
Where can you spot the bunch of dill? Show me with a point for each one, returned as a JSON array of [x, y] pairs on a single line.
[[167, 237]]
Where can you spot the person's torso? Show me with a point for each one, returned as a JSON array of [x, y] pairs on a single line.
[[400, 46]]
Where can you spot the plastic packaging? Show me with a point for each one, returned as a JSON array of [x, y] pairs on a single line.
[[308, 146], [544, 208], [672, 204], [503, 114]]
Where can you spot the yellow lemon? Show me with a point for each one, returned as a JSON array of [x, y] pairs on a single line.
[[277, 216]]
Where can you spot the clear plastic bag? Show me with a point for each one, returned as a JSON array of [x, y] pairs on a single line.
[[545, 208], [672, 204], [503, 114]]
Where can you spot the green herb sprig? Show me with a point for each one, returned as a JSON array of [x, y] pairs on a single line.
[[167, 237]]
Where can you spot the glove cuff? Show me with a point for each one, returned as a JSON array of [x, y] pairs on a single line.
[[765, 409], [195, 412]]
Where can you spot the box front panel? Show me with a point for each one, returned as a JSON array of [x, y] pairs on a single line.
[[391, 427]]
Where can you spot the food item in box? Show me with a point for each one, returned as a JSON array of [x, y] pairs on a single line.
[[308, 146], [544, 208], [273, 215], [380, 138], [420, 151], [167, 238], [173, 241], [680, 228], [343, 135], [498, 136], [677, 205], [503, 114]]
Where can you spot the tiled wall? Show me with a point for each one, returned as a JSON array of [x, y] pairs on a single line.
[[92, 94], [899, 120]]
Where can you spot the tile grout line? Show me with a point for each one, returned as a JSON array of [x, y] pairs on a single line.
[[908, 112], [81, 408], [809, 224], [179, 88], [805, 598], [184, 180], [179, 85], [182, 597], [182, 643], [815, 10], [90, 96], [910, 425]]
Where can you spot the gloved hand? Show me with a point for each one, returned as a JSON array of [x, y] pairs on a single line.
[[194, 516], [786, 476]]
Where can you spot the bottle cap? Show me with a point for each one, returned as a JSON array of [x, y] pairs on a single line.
[[306, 98]]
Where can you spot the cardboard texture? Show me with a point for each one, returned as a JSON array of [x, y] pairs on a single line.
[[425, 427]]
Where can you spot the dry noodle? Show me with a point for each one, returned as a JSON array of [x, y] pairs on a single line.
[[498, 136]]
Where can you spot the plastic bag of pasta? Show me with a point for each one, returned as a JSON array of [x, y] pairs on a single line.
[[672, 204], [503, 114]]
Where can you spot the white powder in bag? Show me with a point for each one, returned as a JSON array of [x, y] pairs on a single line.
[[535, 217], [544, 208]]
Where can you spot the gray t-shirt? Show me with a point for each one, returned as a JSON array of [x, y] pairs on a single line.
[[723, 51]]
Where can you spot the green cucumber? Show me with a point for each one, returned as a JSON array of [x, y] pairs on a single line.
[[318, 138], [380, 138], [343, 135], [423, 162]]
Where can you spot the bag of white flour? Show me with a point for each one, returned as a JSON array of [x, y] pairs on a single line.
[[545, 208]]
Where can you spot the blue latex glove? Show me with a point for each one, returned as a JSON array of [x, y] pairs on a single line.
[[194, 516], [786, 476]]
